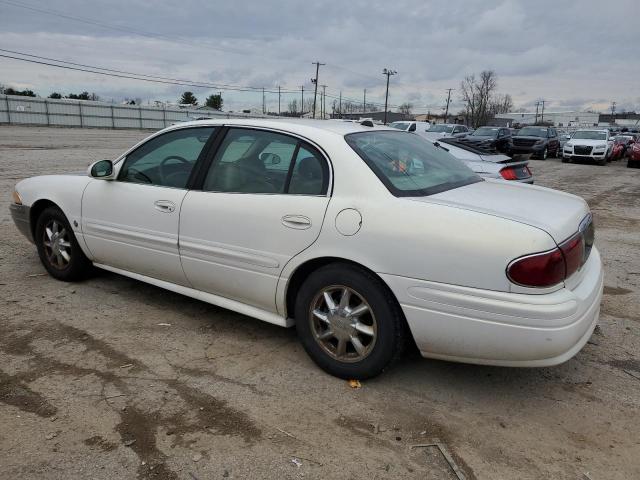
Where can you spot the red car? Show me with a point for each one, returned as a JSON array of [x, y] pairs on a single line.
[[621, 145], [633, 152]]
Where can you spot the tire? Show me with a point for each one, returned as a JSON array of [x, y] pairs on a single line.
[[58, 248], [380, 330], [566, 160], [545, 154], [602, 162]]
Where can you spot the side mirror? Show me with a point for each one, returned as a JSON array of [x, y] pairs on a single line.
[[567, 137], [270, 158], [102, 169]]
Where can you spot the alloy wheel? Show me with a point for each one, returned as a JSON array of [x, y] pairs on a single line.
[[343, 323], [57, 244]]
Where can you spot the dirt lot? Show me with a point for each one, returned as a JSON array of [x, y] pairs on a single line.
[[93, 386]]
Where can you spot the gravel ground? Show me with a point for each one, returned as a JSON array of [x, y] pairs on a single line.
[[92, 386]]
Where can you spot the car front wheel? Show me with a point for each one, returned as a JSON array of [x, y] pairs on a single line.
[[349, 322], [544, 154], [58, 248]]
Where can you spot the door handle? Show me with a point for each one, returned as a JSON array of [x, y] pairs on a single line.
[[165, 206], [298, 222]]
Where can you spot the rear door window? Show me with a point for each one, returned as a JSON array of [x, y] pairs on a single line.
[[262, 161]]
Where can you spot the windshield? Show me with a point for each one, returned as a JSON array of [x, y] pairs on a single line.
[[589, 135], [400, 125], [485, 132], [533, 132], [409, 165], [441, 128]]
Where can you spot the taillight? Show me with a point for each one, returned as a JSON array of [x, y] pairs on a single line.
[[573, 251], [538, 270], [552, 267], [508, 174]]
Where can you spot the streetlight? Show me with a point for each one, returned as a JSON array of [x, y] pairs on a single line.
[[388, 72]]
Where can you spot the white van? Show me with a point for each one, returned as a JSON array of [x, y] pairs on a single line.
[[410, 126]]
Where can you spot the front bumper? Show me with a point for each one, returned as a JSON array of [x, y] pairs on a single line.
[[568, 153], [522, 150], [498, 328], [22, 218]]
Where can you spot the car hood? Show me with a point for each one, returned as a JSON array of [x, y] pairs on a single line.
[[557, 213], [480, 138], [528, 137], [589, 143]]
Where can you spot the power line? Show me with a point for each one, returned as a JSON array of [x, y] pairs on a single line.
[[80, 67], [159, 36], [218, 85], [131, 75], [108, 26]]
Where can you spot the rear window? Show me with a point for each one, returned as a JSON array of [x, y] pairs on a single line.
[[408, 165]]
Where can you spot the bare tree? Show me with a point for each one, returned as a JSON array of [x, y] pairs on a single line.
[[293, 106], [405, 108], [501, 104], [477, 95]]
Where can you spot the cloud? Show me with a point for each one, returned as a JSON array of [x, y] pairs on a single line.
[[573, 55]]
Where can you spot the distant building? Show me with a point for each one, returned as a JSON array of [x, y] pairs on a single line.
[[376, 116], [557, 119]]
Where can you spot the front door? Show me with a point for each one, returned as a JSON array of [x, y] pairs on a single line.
[[262, 201], [132, 223]]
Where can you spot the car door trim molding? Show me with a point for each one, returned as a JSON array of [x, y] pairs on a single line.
[[135, 236], [196, 249]]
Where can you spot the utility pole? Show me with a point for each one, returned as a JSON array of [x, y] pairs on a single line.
[[323, 103], [302, 101], [613, 112], [388, 72], [263, 106], [542, 119], [537, 105], [278, 100], [315, 82], [364, 102], [340, 109], [446, 113]]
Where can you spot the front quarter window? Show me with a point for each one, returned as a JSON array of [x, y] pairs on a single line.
[[409, 165]]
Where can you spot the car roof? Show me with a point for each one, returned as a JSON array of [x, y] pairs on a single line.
[[293, 125]]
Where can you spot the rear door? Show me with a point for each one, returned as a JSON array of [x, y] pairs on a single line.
[[131, 223], [261, 201]]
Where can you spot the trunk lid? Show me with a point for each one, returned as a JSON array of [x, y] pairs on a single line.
[[557, 213]]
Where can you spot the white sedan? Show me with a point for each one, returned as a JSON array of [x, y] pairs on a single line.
[[363, 237]]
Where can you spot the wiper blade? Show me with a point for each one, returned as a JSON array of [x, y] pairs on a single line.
[[436, 144]]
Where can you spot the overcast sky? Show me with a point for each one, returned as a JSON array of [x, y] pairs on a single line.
[[578, 54]]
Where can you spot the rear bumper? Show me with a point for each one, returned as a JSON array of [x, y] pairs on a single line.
[[499, 328], [22, 218]]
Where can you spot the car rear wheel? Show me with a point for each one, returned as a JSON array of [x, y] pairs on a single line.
[[58, 248], [349, 322]]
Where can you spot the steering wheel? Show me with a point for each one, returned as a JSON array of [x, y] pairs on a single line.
[[135, 173], [161, 167]]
